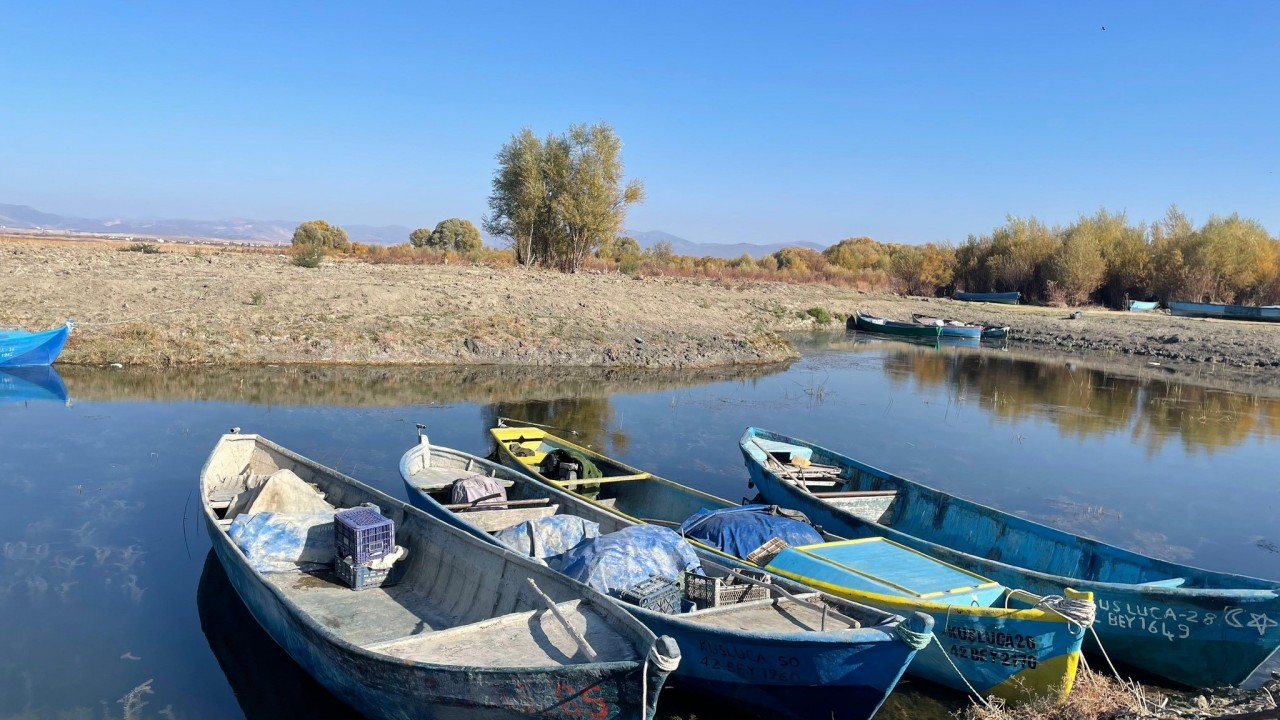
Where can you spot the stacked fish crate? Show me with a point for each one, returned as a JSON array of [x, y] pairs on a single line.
[[362, 537]]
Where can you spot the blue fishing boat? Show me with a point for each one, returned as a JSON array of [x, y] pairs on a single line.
[[469, 630], [21, 347], [24, 384], [1143, 305], [1007, 298], [770, 649], [990, 639], [1195, 627], [950, 328], [1264, 313], [872, 324]]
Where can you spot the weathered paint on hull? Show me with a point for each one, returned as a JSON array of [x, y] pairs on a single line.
[[1269, 313], [1203, 637], [402, 691], [20, 349], [1009, 298], [795, 678]]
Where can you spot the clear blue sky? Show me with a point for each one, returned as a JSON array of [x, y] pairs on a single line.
[[747, 122]]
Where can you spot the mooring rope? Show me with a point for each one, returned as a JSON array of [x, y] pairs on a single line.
[[916, 640], [662, 662]]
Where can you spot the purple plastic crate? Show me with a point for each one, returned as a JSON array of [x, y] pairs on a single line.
[[361, 577], [362, 534]]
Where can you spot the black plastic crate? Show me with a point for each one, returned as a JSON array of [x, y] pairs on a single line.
[[362, 534], [361, 577], [658, 593]]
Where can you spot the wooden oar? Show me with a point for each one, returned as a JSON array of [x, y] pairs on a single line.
[[769, 456], [577, 636]]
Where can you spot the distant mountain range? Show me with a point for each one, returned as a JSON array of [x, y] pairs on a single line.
[[23, 217]]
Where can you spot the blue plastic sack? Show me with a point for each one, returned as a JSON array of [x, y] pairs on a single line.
[[284, 542], [739, 530], [549, 536], [618, 561]]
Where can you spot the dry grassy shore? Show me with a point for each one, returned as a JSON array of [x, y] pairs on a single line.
[[205, 305]]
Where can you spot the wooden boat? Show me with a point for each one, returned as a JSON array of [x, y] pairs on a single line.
[[1143, 305], [770, 653], [22, 347], [469, 631], [957, 328], [1265, 313], [1194, 627], [873, 324], [988, 639], [38, 382], [1008, 298]]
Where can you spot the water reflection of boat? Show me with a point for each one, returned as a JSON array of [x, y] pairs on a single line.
[[36, 382], [267, 683], [832, 669], [469, 631], [23, 347], [965, 608], [1191, 626]]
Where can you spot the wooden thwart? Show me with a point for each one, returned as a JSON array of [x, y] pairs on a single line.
[[857, 494], [498, 503]]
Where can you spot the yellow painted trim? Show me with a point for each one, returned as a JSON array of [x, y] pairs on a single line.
[[1053, 678]]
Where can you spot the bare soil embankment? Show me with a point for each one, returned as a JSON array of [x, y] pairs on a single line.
[[205, 306]]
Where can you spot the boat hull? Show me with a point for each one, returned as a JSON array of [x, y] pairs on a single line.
[[983, 641], [889, 327], [20, 348], [1143, 305], [383, 686], [1192, 636], [1229, 312], [1007, 298], [793, 676]]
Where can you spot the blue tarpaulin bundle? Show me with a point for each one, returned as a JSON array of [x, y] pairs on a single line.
[[739, 530], [283, 542], [549, 536], [621, 560]]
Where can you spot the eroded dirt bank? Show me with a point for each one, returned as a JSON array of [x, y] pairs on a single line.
[[210, 306]]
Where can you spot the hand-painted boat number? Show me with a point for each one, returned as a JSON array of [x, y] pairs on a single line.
[[1178, 624], [745, 663]]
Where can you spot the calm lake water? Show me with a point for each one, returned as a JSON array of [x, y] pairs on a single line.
[[106, 586]]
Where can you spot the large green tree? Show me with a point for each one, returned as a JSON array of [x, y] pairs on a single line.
[[455, 234], [318, 233], [559, 199]]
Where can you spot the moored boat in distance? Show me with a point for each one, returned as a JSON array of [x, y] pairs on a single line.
[[956, 328], [771, 650], [1007, 298], [1195, 627], [468, 631], [1143, 305], [19, 348], [988, 639], [1264, 313], [873, 324]]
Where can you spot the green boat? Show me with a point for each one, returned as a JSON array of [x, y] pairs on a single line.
[[873, 324]]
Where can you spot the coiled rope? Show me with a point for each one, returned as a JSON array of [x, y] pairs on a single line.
[[1080, 613], [914, 640]]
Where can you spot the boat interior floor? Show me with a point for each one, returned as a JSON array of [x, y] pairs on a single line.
[[399, 621], [769, 616]]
